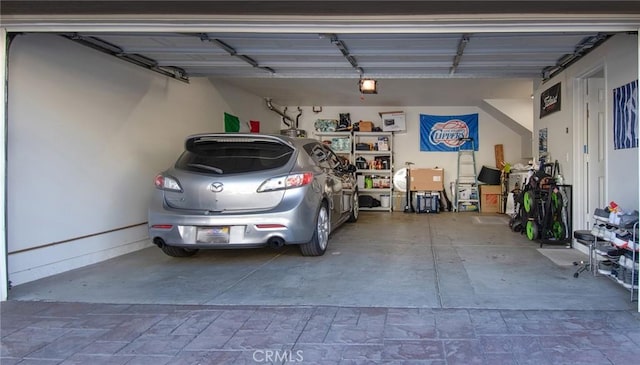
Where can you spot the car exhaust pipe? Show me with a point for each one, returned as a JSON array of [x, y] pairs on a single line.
[[159, 242], [275, 242]]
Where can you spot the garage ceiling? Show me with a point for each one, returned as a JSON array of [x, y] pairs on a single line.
[[311, 68], [299, 52], [331, 55]]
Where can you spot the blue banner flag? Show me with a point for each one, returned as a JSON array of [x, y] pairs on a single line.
[[443, 133]]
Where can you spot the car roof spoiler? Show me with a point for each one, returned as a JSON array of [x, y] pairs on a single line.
[[235, 137]]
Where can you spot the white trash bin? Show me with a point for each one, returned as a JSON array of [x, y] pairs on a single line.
[[384, 201]]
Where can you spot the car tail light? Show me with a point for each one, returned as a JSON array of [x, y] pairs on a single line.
[[162, 226], [270, 226], [286, 182], [167, 183]]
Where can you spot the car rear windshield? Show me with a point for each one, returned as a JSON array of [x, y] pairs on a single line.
[[230, 157]]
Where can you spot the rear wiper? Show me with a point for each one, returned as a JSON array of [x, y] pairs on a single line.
[[206, 167]]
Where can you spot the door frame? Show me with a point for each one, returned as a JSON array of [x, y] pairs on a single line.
[[506, 23], [4, 271], [579, 143]]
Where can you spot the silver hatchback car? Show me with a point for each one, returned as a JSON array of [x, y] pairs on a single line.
[[251, 190]]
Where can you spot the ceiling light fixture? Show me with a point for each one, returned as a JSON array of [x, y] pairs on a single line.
[[368, 86]]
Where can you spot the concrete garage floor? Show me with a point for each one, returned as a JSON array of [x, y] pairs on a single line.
[[447, 260], [396, 288]]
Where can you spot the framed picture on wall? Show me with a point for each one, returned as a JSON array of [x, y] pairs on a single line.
[[625, 116], [542, 142], [393, 121], [550, 100]]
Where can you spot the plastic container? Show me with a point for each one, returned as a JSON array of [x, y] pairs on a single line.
[[489, 175], [385, 200], [368, 182]]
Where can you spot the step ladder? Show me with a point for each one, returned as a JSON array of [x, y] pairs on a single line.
[[467, 195]]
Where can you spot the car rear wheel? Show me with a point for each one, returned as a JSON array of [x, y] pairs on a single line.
[[178, 251], [320, 239], [355, 208]]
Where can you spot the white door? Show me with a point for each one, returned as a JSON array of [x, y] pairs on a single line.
[[595, 146]]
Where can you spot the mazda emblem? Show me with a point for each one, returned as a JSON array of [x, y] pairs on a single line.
[[216, 187]]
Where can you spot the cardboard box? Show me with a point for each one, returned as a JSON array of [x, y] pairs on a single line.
[[393, 121], [365, 126], [426, 179], [491, 198], [490, 189]]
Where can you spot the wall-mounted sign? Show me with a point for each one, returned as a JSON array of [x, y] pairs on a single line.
[[550, 100], [443, 133]]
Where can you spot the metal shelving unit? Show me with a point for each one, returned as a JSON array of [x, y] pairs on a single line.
[[379, 174], [596, 257], [376, 179]]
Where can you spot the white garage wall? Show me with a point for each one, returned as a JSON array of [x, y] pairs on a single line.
[[559, 128], [622, 165], [86, 135], [520, 110], [407, 144], [618, 57]]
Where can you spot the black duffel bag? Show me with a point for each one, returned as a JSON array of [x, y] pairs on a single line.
[[367, 201]]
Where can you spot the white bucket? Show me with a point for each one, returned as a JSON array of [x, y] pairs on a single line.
[[384, 201]]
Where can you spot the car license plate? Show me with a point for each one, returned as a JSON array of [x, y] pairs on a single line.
[[212, 235]]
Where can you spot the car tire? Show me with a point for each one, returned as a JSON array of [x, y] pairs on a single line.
[[320, 238], [355, 208], [178, 251]]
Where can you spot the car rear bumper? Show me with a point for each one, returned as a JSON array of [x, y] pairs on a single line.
[[293, 226]]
